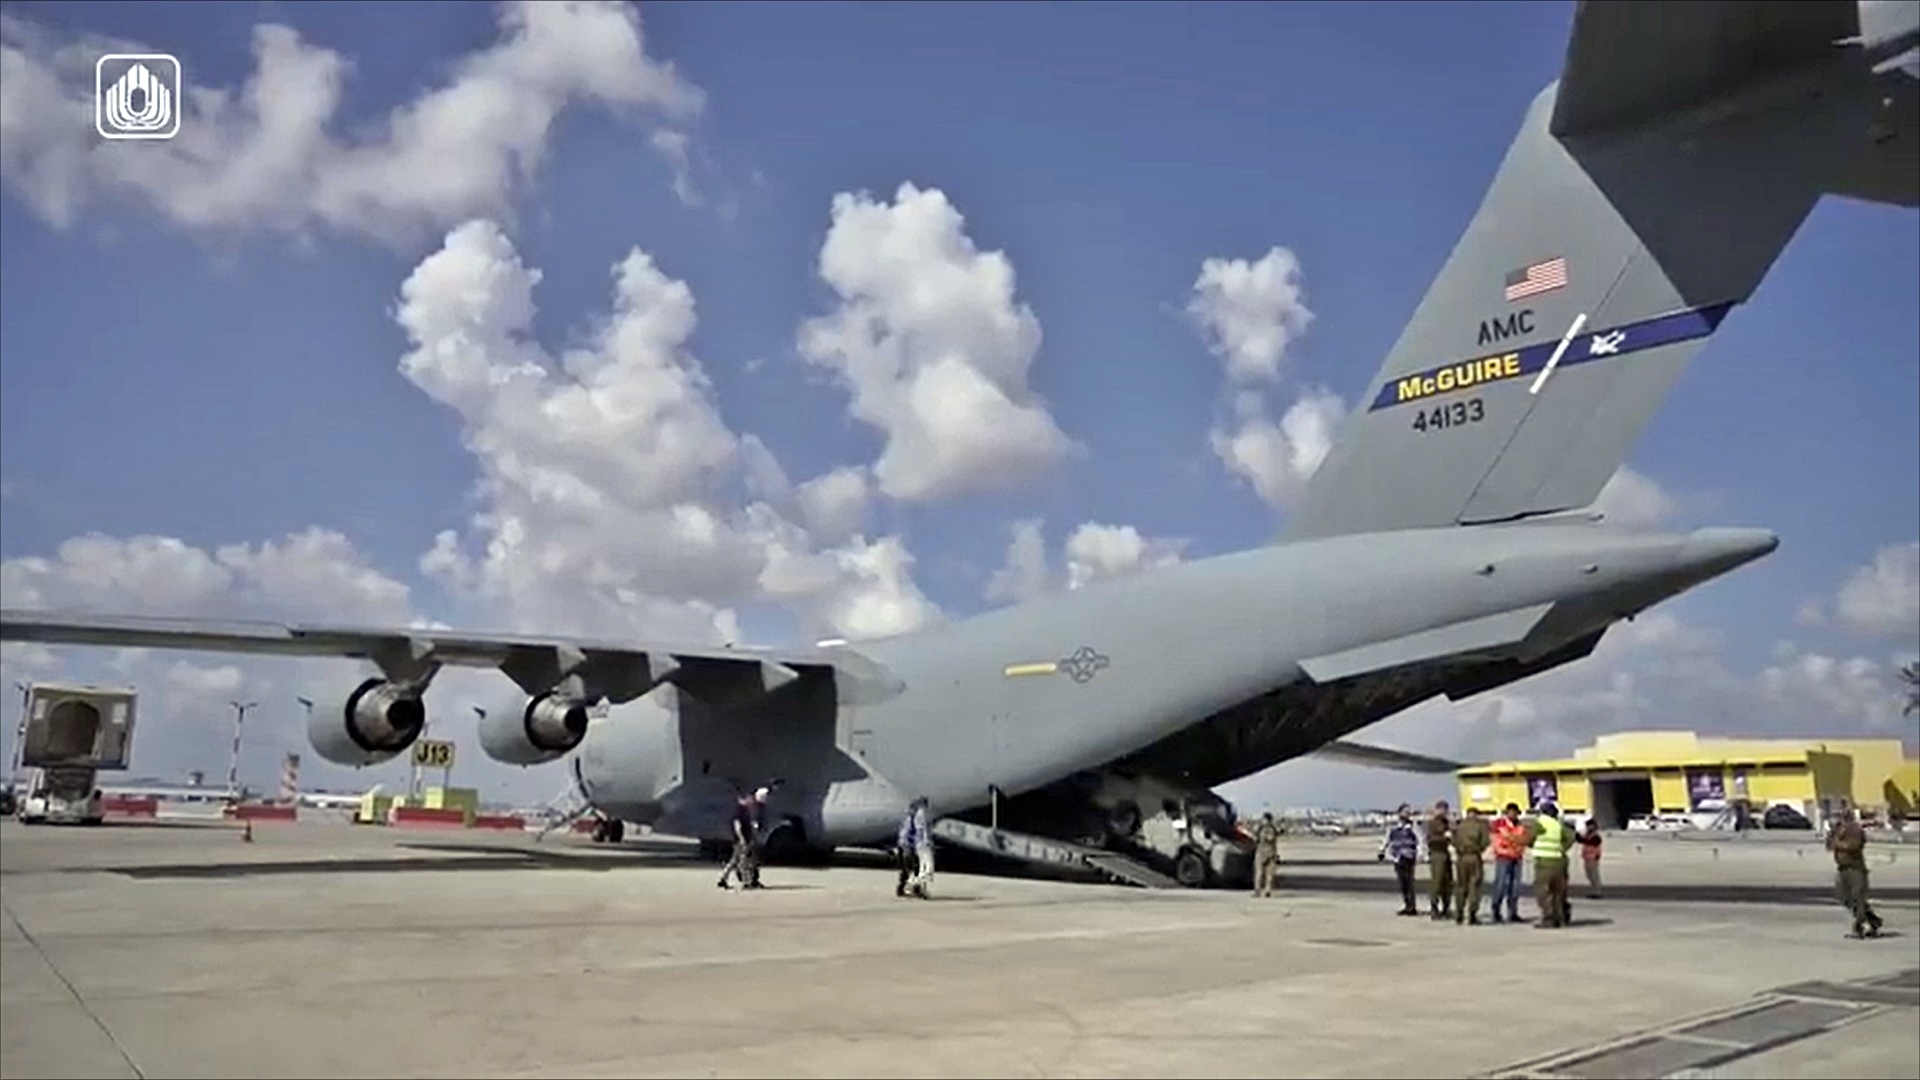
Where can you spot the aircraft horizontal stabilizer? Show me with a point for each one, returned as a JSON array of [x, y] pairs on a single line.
[[1628, 63], [1462, 639], [1384, 758]]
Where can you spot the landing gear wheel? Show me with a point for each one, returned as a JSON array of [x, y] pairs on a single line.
[[600, 830], [616, 831], [1190, 869]]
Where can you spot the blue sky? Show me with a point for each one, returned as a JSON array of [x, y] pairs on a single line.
[[204, 340]]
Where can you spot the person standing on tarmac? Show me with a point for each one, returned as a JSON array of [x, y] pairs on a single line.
[[1470, 841], [922, 881], [745, 862], [1402, 845], [1848, 842], [1266, 855], [1551, 839], [1509, 847], [1590, 841], [1440, 862], [906, 846]]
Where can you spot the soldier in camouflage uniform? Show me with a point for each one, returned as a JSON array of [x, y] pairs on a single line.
[[1440, 861], [1471, 838], [1266, 855], [1848, 842]]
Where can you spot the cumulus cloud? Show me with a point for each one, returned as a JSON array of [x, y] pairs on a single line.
[[315, 576], [933, 346], [263, 157], [1633, 498], [614, 500], [674, 147], [1250, 313], [835, 505], [1095, 551], [1025, 572], [1092, 552], [1278, 458], [612, 487], [1880, 599], [1883, 597]]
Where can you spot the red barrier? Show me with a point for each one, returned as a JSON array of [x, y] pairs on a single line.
[[504, 822], [420, 816], [131, 806], [263, 812]]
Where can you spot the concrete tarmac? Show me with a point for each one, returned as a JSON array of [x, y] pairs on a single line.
[[331, 950]]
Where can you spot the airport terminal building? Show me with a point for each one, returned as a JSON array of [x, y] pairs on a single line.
[[1647, 776]]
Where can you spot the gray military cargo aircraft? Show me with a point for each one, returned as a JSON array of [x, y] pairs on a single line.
[[1442, 547]]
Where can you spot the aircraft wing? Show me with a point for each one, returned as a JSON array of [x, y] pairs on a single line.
[[1384, 758], [1629, 60], [624, 670]]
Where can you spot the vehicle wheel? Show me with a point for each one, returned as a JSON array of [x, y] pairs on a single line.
[[1190, 869]]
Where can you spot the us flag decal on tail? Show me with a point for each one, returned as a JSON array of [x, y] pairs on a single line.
[[1539, 278]]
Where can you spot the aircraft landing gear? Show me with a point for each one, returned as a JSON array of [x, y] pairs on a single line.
[[609, 831]]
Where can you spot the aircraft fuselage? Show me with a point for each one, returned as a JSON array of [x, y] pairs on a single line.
[[1015, 700]]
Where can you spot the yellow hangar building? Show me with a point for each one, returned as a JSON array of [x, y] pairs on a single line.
[[1655, 774]]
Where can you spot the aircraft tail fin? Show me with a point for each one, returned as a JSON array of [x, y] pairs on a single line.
[[1598, 264]]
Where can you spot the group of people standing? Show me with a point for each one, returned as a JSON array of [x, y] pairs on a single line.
[[1456, 850]]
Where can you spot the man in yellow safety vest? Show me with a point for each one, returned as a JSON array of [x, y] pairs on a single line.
[[1550, 839]]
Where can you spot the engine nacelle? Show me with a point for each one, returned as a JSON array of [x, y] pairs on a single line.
[[377, 722], [549, 727]]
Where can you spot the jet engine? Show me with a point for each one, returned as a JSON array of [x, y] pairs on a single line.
[[549, 727], [374, 723]]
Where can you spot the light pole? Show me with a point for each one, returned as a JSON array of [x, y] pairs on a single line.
[[233, 762]]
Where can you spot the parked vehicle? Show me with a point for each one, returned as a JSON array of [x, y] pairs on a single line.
[[63, 795], [1190, 833], [1782, 816]]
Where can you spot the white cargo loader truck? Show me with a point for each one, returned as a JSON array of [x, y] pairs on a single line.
[[68, 734], [62, 795]]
